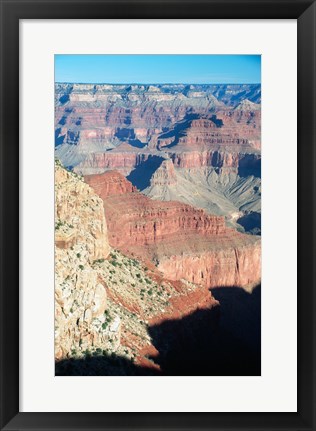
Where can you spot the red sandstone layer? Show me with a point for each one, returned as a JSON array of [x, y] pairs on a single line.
[[237, 130], [126, 161], [138, 220], [183, 241]]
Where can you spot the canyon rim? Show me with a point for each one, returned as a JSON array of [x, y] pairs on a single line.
[[157, 215]]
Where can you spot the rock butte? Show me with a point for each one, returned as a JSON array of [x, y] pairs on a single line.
[[184, 242]]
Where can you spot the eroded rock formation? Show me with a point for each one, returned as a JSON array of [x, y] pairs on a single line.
[[93, 119], [104, 300], [165, 175], [183, 241], [138, 129]]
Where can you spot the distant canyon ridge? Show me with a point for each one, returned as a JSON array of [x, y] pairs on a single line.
[[197, 144]]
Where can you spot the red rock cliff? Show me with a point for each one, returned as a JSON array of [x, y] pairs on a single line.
[[135, 219], [184, 241]]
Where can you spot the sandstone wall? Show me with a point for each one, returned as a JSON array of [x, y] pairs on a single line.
[[237, 265], [133, 218]]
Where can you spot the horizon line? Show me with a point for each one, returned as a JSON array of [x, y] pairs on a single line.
[[159, 83]]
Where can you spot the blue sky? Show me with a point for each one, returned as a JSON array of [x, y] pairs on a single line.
[[149, 69]]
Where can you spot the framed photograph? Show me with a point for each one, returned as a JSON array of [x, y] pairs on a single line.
[[157, 229]]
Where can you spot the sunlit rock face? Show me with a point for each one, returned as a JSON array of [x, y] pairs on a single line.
[[183, 241], [79, 214], [80, 295]]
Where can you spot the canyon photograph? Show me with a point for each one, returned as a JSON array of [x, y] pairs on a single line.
[[157, 215]]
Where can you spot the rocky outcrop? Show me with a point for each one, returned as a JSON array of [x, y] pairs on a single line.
[[75, 203], [175, 235], [110, 183], [139, 296], [247, 105], [165, 175], [80, 294]]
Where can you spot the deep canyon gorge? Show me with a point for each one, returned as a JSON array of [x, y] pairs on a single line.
[[157, 229]]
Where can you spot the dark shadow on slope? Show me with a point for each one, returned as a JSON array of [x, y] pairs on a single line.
[[141, 175], [125, 134], [249, 164], [237, 98], [178, 131], [251, 222], [64, 99], [241, 315], [128, 135], [223, 341], [63, 120], [59, 139], [101, 365], [217, 121], [254, 94], [136, 143]]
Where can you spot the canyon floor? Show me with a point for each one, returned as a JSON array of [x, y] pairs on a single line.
[[157, 229]]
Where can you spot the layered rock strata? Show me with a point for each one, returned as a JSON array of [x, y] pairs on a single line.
[[211, 133], [183, 241], [92, 119], [126, 161]]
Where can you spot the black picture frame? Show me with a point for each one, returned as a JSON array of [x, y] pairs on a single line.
[[11, 12]]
